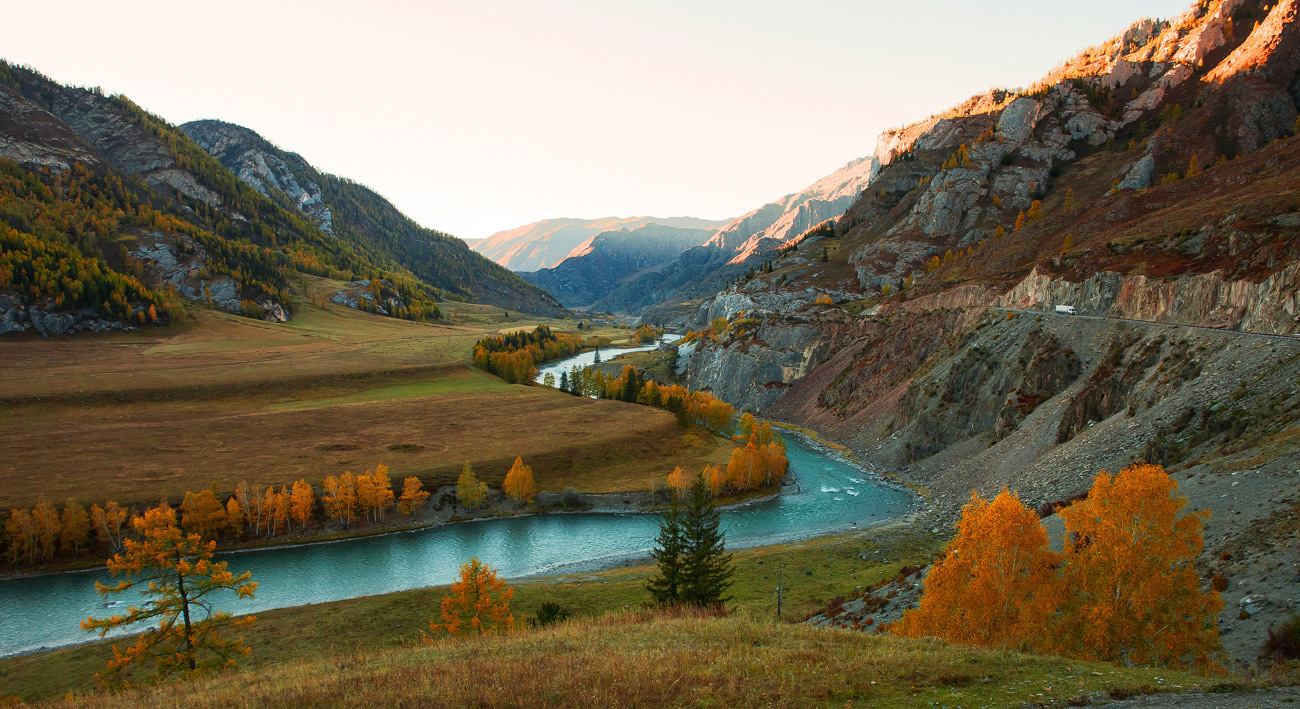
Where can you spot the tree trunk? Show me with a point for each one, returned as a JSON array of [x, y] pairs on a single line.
[[185, 611]]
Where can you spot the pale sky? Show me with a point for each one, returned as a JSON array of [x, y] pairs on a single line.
[[483, 115]]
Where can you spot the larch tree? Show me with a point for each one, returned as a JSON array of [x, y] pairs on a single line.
[[20, 529], [203, 514], [176, 572], [413, 496], [382, 492], [48, 527], [469, 491], [1135, 594], [76, 527], [302, 503], [706, 566], [997, 583], [477, 603], [110, 522], [235, 516], [519, 484]]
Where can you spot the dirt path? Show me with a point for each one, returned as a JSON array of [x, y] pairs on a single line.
[[1262, 699]]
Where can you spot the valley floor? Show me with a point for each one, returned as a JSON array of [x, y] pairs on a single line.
[[220, 399]]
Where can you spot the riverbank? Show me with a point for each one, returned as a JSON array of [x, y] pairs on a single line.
[[814, 571]]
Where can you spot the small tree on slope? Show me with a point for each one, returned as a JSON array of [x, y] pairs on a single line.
[[178, 574]]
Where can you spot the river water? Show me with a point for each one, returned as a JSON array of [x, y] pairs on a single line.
[[832, 494], [586, 359]]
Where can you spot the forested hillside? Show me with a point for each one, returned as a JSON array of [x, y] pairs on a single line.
[[357, 214], [111, 216]]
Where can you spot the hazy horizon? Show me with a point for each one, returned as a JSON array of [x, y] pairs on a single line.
[[475, 119]]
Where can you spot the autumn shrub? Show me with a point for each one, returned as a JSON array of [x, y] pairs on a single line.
[[1283, 641]]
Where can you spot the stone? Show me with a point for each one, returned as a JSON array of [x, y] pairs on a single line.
[[1139, 175]]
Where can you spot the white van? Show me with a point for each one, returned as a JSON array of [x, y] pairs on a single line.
[[1065, 309]]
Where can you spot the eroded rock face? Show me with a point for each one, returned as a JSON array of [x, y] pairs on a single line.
[[181, 263], [1138, 176], [16, 317], [238, 149], [32, 137], [754, 373]]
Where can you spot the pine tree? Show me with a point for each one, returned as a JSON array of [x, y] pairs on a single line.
[[564, 381], [668, 553], [706, 566]]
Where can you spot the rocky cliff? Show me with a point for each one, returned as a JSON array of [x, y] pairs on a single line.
[[1151, 178]]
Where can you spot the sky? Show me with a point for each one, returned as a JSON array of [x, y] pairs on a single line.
[[477, 116]]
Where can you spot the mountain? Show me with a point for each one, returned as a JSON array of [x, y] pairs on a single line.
[[598, 265], [110, 216], [1153, 183], [355, 213], [743, 242], [544, 244]]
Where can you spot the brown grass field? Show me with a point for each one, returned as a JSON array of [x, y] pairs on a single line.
[[219, 399]]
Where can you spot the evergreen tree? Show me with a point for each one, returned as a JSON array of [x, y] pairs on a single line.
[[669, 555], [564, 381], [706, 566], [597, 359]]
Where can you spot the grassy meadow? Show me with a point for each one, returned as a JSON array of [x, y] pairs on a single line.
[[367, 652], [815, 570], [218, 399]]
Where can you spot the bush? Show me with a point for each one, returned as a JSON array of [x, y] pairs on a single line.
[[1284, 641], [550, 613]]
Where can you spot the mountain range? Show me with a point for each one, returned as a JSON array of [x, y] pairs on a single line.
[[146, 212], [545, 243]]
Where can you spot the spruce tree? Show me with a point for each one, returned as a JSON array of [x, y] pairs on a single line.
[[564, 381], [706, 565], [666, 588]]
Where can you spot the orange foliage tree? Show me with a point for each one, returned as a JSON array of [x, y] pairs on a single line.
[[519, 484], [177, 572], [302, 503], [996, 585], [1124, 590], [413, 496], [110, 522], [478, 603], [1135, 595], [203, 514], [76, 527]]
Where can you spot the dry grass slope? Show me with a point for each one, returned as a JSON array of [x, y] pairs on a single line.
[[639, 660]]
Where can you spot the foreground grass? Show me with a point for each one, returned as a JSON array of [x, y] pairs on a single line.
[[643, 660], [374, 623]]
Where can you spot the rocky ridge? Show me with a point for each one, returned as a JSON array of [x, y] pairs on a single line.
[[1150, 178]]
